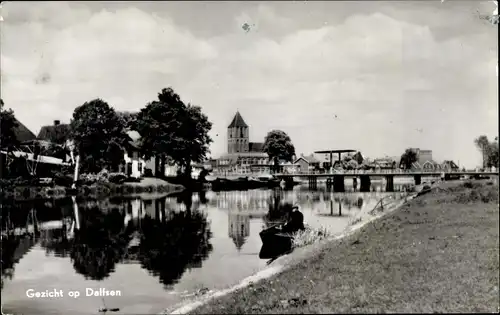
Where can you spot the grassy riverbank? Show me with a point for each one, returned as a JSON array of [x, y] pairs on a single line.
[[438, 253]]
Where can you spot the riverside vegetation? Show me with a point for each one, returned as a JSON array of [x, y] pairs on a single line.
[[437, 253]]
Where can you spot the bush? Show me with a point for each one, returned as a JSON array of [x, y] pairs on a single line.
[[61, 179], [89, 179], [19, 181], [148, 172], [117, 178], [468, 185], [132, 180]]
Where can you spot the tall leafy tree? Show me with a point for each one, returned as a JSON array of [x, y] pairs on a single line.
[[483, 144], [8, 125], [278, 146], [99, 136], [408, 158], [493, 159], [489, 150], [170, 128]]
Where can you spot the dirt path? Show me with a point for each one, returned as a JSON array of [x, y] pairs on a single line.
[[439, 253]]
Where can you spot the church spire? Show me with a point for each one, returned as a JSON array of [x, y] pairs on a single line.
[[238, 121]]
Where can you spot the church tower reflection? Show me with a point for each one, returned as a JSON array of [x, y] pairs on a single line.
[[239, 229]]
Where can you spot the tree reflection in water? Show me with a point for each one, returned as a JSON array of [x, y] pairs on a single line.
[[181, 241], [9, 246], [279, 212], [13, 247], [100, 243]]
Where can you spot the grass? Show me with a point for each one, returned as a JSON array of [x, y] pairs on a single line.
[[310, 236], [438, 253]]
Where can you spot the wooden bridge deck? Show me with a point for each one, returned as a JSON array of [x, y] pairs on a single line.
[[390, 173]]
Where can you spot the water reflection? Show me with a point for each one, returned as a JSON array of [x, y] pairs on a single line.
[[238, 229], [168, 247], [100, 243], [183, 242]]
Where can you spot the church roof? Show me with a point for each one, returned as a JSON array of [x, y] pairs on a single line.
[[238, 122], [239, 241], [256, 147]]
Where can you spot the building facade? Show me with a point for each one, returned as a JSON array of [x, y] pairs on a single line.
[[243, 157]]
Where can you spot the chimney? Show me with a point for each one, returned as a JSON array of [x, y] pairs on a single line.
[[57, 122]]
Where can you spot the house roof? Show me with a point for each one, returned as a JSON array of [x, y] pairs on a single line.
[[256, 146], [55, 133], [309, 159], [237, 122], [22, 132]]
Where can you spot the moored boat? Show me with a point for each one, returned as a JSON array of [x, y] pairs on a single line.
[[274, 243]]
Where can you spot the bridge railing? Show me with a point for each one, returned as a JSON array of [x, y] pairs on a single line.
[[389, 171], [360, 172]]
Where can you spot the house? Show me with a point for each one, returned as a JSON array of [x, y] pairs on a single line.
[[289, 167], [449, 165], [57, 133], [136, 166], [422, 155], [22, 133], [386, 163], [306, 164]]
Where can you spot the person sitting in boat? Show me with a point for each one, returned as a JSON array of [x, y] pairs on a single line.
[[296, 222]]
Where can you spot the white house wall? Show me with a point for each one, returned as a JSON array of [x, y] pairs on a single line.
[[135, 165]]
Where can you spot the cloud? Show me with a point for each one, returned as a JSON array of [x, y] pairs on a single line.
[[367, 68]]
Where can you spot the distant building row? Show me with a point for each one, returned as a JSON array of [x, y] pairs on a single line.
[[245, 157], [134, 165]]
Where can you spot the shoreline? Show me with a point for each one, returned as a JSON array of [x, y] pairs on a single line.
[[98, 190], [282, 263], [301, 275]]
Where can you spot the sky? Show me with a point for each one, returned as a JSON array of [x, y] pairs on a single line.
[[373, 76]]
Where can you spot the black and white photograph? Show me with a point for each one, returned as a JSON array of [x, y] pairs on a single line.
[[249, 157]]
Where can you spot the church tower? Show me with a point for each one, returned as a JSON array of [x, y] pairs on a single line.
[[237, 135]]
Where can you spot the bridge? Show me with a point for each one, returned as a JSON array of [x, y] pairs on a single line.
[[336, 178]]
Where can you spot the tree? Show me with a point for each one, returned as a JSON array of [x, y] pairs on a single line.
[[169, 128], [358, 157], [408, 158], [99, 136], [483, 143], [278, 145], [492, 159], [8, 125], [129, 118]]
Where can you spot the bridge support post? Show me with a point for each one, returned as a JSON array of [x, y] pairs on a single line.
[[418, 179], [338, 183], [365, 183], [389, 186], [355, 183], [313, 182], [288, 182], [329, 182]]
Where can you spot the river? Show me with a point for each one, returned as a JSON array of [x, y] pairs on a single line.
[[154, 251]]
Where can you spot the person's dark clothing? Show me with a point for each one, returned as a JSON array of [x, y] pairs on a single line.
[[295, 224]]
